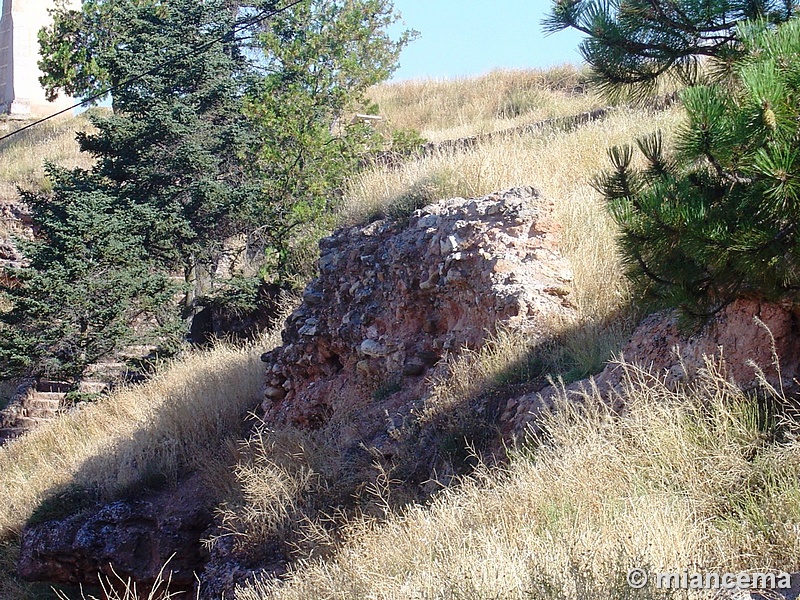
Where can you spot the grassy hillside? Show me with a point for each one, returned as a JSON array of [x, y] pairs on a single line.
[[685, 480], [23, 156], [558, 161], [442, 109], [188, 417]]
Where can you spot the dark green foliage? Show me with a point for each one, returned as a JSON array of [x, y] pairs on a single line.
[[719, 218], [171, 149], [70, 60], [88, 280], [406, 141], [237, 295], [386, 389], [631, 43], [160, 199], [319, 58]]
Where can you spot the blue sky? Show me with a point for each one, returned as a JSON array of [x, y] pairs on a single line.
[[471, 37]]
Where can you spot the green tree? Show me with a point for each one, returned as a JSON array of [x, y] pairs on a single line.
[[319, 58], [173, 147], [217, 133], [630, 44], [718, 218], [88, 280]]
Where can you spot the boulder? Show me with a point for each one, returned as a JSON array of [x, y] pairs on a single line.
[[132, 538]]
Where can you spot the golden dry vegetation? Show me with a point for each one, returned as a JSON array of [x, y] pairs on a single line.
[[684, 481], [23, 156], [687, 480], [560, 164], [187, 417], [172, 421], [445, 109]]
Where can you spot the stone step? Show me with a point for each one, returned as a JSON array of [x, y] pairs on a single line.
[[47, 385], [46, 414], [27, 423], [92, 387], [51, 396], [9, 433], [39, 404]]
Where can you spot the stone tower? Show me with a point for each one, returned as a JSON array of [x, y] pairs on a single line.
[[21, 95]]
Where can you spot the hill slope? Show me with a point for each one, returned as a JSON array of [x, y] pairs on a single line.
[[658, 489]]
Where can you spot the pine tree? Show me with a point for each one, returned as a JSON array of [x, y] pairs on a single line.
[[173, 144], [630, 44], [718, 218]]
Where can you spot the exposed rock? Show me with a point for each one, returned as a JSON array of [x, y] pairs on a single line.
[[393, 298], [777, 593], [747, 335], [135, 538]]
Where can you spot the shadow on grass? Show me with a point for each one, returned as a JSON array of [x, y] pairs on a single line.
[[310, 485]]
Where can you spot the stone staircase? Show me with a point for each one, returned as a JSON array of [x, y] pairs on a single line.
[[38, 401], [34, 403]]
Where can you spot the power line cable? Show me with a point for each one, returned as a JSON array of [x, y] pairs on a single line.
[[243, 25]]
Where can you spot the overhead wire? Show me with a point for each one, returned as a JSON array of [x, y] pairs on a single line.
[[244, 24]]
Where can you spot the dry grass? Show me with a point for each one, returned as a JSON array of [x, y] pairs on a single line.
[[22, 157], [170, 423], [684, 480], [187, 418], [443, 109], [119, 588], [560, 164], [605, 493]]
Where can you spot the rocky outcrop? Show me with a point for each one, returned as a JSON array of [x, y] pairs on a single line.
[[748, 339], [358, 356], [135, 538], [393, 298]]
